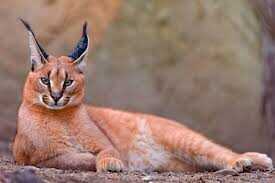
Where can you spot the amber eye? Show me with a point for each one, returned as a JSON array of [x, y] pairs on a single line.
[[45, 81], [68, 82]]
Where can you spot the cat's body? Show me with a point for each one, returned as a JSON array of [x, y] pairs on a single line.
[[55, 128], [143, 142]]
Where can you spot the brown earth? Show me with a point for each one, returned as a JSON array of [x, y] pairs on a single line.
[[9, 171]]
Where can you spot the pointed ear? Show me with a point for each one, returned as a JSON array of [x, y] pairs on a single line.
[[38, 56], [80, 52]]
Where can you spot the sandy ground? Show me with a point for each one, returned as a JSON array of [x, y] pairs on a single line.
[[12, 173]]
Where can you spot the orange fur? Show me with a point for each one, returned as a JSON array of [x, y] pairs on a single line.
[[72, 135]]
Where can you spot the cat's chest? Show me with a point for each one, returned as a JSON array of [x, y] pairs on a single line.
[[47, 133], [65, 135]]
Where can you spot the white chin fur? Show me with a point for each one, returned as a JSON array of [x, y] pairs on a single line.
[[54, 107]]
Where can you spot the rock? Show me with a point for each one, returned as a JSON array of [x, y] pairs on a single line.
[[225, 172], [148, 178], [20, 176]]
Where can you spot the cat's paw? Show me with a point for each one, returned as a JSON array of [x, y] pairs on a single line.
[[110, 164], [252, 160]]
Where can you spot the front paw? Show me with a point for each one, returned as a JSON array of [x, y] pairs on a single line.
[[109, 164], [252, 160]]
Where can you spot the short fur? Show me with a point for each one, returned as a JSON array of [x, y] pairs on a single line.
[[69, 134]]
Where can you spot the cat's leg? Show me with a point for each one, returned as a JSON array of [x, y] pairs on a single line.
[[71, 160], [197, 150], [252, 160], [109, 160]]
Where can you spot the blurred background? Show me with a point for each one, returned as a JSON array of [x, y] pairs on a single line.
[[198, 62]]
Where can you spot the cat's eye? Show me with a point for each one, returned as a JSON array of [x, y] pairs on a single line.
[[45, 81], [68, 82]]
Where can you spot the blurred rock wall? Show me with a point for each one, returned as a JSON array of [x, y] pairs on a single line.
[[197, 62]]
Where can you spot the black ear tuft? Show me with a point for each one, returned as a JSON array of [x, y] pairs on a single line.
[[28, 27], [84, 32]]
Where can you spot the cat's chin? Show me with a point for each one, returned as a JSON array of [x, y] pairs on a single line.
[[54, 107]]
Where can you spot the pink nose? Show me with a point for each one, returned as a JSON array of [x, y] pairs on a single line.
[[56, 96]]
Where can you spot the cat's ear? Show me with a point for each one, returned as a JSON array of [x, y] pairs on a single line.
[[38, 56], [80, 52]]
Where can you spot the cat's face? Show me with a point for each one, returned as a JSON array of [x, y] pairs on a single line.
[[55, 83]]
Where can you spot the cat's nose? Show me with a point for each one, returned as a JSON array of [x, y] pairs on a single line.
[[56, 96]]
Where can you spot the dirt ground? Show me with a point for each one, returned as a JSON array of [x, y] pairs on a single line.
[[12, 173]]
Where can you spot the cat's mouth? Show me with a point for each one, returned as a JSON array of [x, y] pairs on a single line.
[[50, 104]]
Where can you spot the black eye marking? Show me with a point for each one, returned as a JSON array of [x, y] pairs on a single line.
[[68, 82], [45, 81]]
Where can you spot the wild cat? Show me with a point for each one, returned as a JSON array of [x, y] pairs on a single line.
[[56, 129]]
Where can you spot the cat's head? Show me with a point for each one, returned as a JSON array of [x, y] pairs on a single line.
[[55, 82]]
